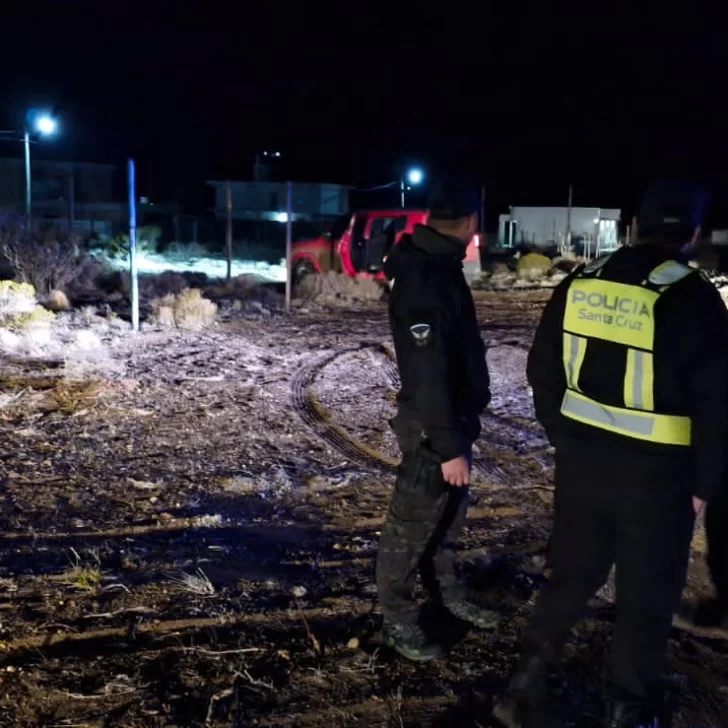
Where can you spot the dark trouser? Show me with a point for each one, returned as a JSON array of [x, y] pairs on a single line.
[[636, 511], [716, 526], [423, 525]]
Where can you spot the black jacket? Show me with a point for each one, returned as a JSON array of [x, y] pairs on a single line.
[[441, 357], [690, 352]]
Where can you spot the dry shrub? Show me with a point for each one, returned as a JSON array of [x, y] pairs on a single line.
[[186, 310], [24, 324], [338, 288], [533, 267], [47, 259], [15, 299], [57, 301]]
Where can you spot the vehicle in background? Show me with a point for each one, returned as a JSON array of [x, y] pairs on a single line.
[[358, 244]]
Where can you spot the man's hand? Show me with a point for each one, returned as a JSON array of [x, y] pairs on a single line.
[[456, 472], [698, 506]]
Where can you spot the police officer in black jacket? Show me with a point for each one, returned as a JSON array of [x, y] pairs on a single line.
[[629, 370], [445, 387]]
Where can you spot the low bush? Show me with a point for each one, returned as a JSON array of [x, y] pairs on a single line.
[[187, 310], [533, 267], [338, 288], [45, 258], [57, 301]]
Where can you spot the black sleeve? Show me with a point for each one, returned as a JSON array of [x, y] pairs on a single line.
[[701, 338], [430, 340], [545, 368]]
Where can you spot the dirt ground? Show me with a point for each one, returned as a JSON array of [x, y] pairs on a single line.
[[190, 540]]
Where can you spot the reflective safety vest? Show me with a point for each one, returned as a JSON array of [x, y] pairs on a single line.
[[623, 314]]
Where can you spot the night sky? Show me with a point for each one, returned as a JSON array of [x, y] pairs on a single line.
[[523, 102]]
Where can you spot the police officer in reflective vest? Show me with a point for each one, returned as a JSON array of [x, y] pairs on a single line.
[[629, 370]]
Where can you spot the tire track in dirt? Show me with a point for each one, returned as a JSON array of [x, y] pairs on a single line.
[[318, 420], [488, 470]]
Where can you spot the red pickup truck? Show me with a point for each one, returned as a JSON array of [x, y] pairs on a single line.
[[357, 244]]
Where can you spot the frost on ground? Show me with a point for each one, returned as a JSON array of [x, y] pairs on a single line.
[[203, 523]]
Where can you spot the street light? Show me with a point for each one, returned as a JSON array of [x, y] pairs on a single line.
[[45, 125], [40, 124], [414, 177]]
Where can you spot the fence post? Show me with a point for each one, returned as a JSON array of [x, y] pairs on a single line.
[[133, 271]]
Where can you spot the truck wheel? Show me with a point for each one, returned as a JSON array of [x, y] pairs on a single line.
[[302, 269]]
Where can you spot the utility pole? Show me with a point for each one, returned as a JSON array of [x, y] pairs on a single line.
[[229, 228], [568, 218], [132, 248], [289, 243]]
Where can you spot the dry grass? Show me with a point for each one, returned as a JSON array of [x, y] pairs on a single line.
[[338, 288], [188, 310], [58, 301]]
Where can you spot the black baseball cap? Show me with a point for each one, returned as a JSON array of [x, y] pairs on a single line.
[[453, 199], [672, 209]]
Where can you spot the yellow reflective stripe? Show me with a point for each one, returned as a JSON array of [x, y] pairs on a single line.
[[639, 378], [668, 273], [574, 351], [660, 429]]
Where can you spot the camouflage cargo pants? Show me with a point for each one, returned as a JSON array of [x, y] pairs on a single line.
[[420, 535]]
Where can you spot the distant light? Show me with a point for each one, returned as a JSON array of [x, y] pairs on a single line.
[[415, 176], [596, 221], [281, 217], [46, 125]]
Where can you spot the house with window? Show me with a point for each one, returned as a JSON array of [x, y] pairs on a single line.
[[595, 228]]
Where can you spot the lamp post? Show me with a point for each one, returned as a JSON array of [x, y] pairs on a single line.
[[43, 125]]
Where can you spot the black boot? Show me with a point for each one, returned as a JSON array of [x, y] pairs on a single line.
[[524, 704], [473, 613], [621, 714], [411, 641]]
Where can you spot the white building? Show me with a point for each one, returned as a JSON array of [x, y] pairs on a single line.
[[594, 228]]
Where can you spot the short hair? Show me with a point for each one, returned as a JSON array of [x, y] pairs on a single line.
[[453, 201]]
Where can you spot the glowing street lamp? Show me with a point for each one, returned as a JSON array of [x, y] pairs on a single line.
[[46, 125], [41, 125], [412, 178]]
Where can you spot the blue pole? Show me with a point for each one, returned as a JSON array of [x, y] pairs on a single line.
[[132, 249]]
